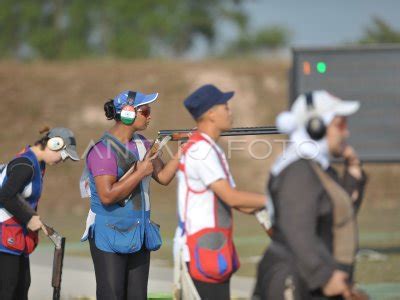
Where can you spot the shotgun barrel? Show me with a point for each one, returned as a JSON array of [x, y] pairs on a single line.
[[58, 260], [182, 134], [57, 269]]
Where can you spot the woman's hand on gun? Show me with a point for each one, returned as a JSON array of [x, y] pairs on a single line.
[[337, 285], [350, 156], [352, 161], [145, 167], [36, 224]]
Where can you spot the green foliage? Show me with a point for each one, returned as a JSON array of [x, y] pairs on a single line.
[[265, 39], [380, 32], [273, 37], [53, 29]]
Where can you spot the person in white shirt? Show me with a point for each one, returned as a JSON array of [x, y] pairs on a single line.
[[206, 196]]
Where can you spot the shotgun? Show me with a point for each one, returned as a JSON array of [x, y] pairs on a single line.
[[183, 134], [157, 145], [59, 248]]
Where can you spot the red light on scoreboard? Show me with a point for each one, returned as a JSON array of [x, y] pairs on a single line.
[[306, 68]]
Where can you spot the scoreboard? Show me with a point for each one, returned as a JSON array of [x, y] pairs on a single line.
[[368, 74]]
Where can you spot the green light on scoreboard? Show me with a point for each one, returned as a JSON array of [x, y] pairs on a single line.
[[321, 67]]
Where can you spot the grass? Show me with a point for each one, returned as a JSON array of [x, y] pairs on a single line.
[[382, 235]]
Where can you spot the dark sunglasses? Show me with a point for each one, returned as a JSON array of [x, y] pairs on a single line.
[[145, 111]]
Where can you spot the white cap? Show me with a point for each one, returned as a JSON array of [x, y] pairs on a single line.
[[325, 105]]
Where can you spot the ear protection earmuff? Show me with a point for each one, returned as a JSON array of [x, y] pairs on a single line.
[[128, 112], [315, 126], [55, 143]]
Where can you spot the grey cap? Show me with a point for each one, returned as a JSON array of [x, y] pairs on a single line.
[[68, 138]]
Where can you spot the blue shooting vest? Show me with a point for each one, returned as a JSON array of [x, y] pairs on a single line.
[[126, 227], [8, 224]]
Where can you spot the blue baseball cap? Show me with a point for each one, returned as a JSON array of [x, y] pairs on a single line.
[[133, 98], [204, 98]]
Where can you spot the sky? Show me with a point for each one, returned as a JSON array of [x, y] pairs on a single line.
[[322, 23], [311, 22]]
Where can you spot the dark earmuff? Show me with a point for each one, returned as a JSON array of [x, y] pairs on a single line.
[[110, 110], [315, 126]]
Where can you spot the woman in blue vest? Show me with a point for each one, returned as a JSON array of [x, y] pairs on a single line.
[[119, 229], [21, 182]]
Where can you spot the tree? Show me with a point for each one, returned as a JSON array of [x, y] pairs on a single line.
[[267, 38], [380, 32], [54, 29]]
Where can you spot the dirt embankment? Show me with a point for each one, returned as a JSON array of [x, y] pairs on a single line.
[[73, 93]]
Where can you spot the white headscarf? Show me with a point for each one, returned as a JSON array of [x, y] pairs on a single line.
[[293, 123]]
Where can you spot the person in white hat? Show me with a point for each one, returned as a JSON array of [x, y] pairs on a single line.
[[314, 239]]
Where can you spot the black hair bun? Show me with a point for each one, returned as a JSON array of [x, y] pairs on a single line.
[[109, 109]]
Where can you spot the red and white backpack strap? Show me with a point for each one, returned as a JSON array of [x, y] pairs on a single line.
[[195, 138]]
